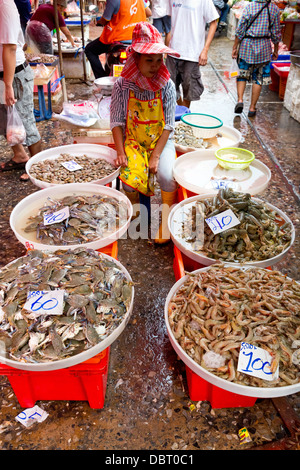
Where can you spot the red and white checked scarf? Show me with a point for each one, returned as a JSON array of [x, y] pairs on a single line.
[[131, 72]]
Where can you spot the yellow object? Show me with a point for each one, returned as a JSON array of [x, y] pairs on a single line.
[[163, 234], [144, 126], [134, 198], [244, 436]]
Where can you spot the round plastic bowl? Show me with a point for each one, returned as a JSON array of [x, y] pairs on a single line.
[[30, 205], [239, 389], [84, 355], [91, 150], [233, 158], [204, 126]]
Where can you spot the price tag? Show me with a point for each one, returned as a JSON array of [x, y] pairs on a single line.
[[257, 362], [223, 221], [31, 415], [56, 217], [219, 184], [117, 70], [71, 165], [45, 302]]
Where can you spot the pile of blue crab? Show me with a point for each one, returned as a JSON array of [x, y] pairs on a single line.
[[96, 296]]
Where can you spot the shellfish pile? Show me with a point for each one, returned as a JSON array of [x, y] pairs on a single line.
[[96, 299], [90, 217], [260, 235], [52, 170], [183, 135], [215, 310]]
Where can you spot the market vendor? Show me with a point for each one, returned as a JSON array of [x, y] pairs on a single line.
[[142, 120], [42, 22]]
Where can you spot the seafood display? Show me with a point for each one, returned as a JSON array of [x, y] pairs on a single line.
[[89, 217], [96, 295], [183, 135], [260, 235], [53, 171], [216, 309]]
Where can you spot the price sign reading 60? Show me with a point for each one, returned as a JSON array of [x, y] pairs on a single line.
[[256, 361], [45, 302]]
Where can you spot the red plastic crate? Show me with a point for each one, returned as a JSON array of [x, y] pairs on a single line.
[[86, 381], [199, 388], [282, 73]]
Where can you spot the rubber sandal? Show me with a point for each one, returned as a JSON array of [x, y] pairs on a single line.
[[12, 165], [251, 113], [24, 178], [239, 108]]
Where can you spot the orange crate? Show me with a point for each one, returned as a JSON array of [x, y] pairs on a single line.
[[86, 381]]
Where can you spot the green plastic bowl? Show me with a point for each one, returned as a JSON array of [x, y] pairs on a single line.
[[233, 158], [204, 126]]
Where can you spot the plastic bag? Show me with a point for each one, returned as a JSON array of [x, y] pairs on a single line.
[[234, 69], [15, 130], [41, 71]]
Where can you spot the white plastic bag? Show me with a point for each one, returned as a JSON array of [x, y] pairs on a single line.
[[15, 130], [234, 69]]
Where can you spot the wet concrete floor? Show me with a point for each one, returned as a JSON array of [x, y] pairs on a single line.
[[147, 404]]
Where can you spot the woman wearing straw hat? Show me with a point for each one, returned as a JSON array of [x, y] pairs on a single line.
[[142, 120]]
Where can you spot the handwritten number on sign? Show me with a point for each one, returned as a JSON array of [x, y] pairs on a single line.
[[37, 305], [256, 364]]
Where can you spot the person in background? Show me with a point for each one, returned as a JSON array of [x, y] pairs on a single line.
[[142, 119], [119, 19], [24, 9], [161, 18], [189, 19], [17, 80], [258, 27], [42, 23], [224, 13]]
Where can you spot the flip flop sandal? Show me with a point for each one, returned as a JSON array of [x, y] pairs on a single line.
[[12, 165], [239, 108], [251, 113], [24, 178]]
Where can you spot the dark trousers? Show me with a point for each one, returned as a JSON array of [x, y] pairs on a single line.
[[92, 50]]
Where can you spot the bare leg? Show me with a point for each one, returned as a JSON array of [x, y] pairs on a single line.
[[20, 154], [240, 88], [33, 149], [256, 89], [167, 38]]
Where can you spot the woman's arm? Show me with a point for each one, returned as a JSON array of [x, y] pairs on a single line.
[[156, 152], [68, 35], [121, 159], [9, 64]]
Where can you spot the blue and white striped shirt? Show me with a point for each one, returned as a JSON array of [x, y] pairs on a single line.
[[258, 50], [120, 97]]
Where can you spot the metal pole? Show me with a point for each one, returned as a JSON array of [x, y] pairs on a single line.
[[63, 82], [82, 38]]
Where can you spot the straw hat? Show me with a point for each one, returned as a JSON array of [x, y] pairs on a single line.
[[146, 39]]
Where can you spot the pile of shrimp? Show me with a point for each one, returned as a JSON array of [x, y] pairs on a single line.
[[217, 309]]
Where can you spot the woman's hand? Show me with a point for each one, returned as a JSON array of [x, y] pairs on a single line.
[[121, 160], [9, 95], [153, 163], [234, 52]]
